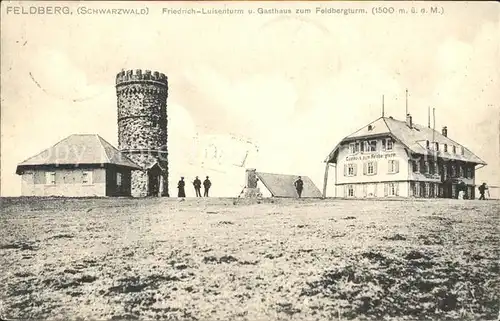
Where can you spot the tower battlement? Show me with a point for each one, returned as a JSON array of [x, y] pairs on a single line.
[[139, 75]]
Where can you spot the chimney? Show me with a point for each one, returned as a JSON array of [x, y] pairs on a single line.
[[444, 131], [409, 121], [251, 178]]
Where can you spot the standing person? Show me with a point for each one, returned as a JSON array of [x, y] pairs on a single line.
[[206, 184], [482, 188], [180, 187], [299, 186], [197, 186]]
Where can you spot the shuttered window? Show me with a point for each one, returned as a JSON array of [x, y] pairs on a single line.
[[391, 189], [393, 166], [389, 144], [370, 168], [350, 169]]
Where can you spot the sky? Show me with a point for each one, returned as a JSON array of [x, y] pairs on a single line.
[[284, 89]]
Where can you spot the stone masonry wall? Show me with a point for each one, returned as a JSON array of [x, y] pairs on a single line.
[[142, 123], [139, 183]]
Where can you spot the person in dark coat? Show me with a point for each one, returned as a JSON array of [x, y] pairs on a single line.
[[482, 188], [206, 184], [299, 186], [180, 187], [197, 186]]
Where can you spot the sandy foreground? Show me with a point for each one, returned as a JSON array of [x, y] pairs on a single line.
[[229, 259]]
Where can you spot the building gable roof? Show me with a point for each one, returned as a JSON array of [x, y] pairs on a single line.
[[280, 185], [80, 149], [414, 139]]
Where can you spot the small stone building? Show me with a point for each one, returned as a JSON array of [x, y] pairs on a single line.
[[77, 166], [260, 184]]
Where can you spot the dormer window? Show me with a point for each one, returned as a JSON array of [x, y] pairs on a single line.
[[454, 149], [389, 144], [462, 150], [370, 127], [445, 148], [436, 146]]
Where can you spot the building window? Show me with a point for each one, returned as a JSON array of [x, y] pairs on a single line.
[[427, 190], [370, 127], [462, 150], [454, 149], [373, 146], [353, 148], [50, 178], [350, 190], [413, 189], [415, 166], [370, 168], [393, 166], [426, 167], [87, 178], [431, 190], [389, 144], [391, 189], [118, 179], [436, 146], [362, 146], [445, 148], [427, 144], [350, 170], [470, 172], [453, 170], [460, 171], [445, 172]]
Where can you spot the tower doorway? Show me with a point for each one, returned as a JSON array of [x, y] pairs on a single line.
[[154, 181]]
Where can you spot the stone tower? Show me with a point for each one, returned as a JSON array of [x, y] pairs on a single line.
[[142, 128]]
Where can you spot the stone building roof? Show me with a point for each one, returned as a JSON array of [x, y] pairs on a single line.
[[79, 149], [414, 139], [280, 185]]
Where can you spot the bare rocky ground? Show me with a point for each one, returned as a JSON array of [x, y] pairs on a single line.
[[225, 259]]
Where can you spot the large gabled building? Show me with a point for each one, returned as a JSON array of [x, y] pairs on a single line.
[[77, 166], [389, 157]]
